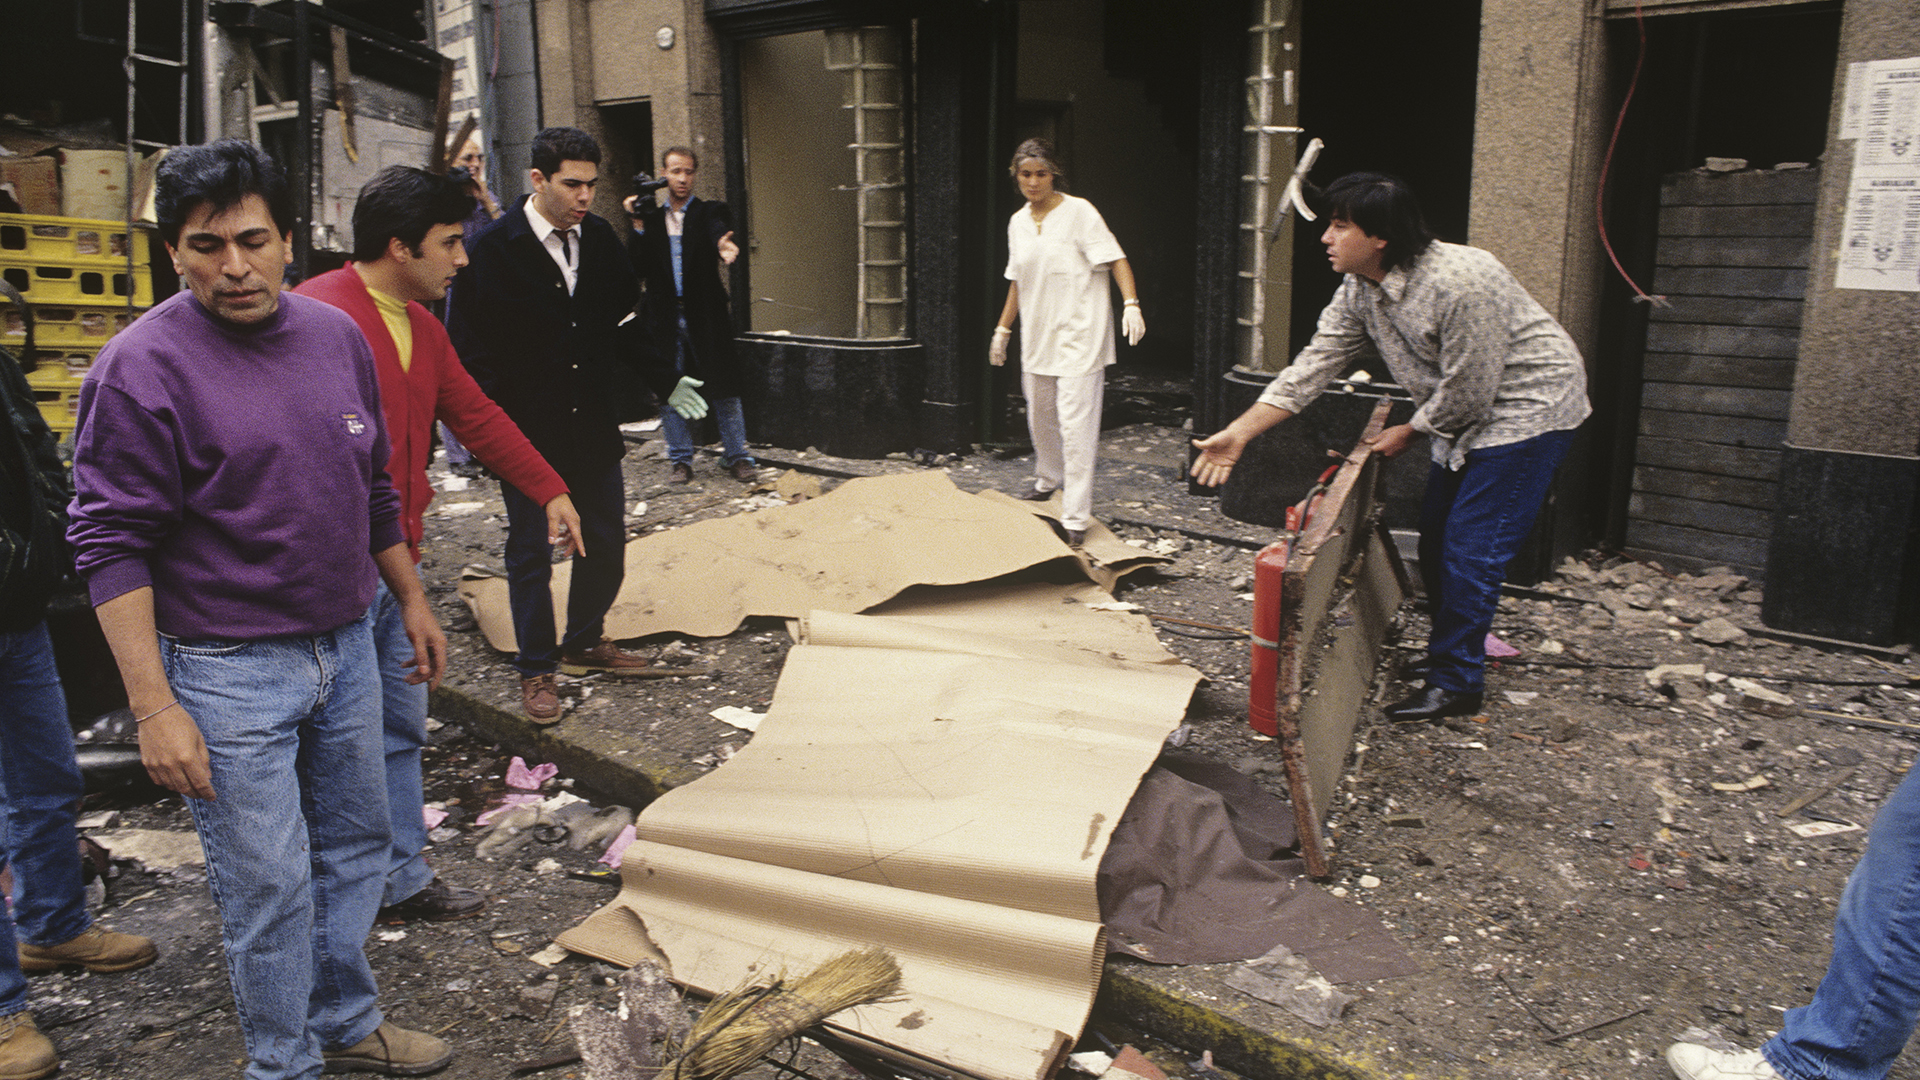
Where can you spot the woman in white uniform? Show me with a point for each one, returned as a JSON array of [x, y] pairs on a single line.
[[1060, 257]]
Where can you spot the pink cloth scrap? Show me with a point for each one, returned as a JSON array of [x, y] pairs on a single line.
[[1497, 648], [526, 781], [432, 816], [618, 849]]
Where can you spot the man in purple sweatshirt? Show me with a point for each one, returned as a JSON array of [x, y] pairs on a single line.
[[232, 516]]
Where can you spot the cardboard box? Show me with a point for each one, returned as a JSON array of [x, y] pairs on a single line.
[[35, 182], [93, 184]]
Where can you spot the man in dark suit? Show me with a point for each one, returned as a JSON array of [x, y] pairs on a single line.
[[678, 247], [541, 318]]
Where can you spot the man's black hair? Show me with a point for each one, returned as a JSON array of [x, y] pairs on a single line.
[[1385, 208], [404, 202], [218, 174], [557, 144]]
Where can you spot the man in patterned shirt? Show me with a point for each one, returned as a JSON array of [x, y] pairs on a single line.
[[1498, 387]]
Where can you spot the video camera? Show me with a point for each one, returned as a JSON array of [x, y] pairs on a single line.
[[644, 185]]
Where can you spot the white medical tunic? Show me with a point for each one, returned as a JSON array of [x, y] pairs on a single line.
[[1060, 268]]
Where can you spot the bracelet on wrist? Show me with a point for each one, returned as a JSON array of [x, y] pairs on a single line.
[[156, 712], [1003, 329], [1133, 303]]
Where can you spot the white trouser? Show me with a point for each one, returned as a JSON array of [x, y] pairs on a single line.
[[1063, 416]]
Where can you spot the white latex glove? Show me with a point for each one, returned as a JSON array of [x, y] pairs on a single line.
[[685, 401], [1133, 324], [997, 352]]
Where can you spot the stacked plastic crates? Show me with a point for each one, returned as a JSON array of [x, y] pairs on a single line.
[[74, 274]]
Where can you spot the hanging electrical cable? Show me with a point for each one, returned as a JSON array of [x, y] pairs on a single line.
[[1606, 164]]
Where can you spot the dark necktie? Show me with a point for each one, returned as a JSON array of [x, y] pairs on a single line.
[[566, 253]]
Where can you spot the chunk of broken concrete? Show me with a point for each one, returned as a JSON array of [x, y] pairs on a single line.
[[1685, 682], [1757, 698], [1717, 631]]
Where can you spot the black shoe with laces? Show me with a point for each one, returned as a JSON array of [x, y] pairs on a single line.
[[438, 902]]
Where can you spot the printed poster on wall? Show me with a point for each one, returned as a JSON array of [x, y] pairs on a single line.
[[1880, 246]]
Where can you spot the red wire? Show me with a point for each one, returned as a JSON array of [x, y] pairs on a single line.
[[1606, 164]]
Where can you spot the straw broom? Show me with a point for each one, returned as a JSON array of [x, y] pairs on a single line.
[[741, 1025]]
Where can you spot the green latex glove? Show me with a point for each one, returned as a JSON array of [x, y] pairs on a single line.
[[685, 401]]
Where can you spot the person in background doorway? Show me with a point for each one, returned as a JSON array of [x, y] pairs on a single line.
[[473, 160], [679, 246], [406, 249], [1060, 257], [1498, 387]]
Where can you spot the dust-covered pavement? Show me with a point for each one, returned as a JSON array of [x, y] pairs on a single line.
[[1566, 860]]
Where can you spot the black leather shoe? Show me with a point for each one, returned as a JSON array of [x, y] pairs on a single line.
[[1417, 669], [438, 902], [1433, 703]]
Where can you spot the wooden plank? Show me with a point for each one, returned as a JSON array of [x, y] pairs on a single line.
[[1728, 281], [1720, 460], [1680, 483], [1700, 339], [1718, 371], [1721, 518], [1729, 311], [1737, 401], [1745, 553], [1779, 251], [1759, 186], [1729, 430], [1736, 221]]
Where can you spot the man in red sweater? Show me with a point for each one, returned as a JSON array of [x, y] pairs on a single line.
[[406, 249]]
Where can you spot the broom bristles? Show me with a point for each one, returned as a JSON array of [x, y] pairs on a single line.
[[741, 1025]]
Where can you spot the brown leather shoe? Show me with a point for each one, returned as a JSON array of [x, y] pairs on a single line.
[[98, 949], [437, 902], [680, 473], [613, 660], [540, 696], [744, 471], [393, 1050], [25, 1054]]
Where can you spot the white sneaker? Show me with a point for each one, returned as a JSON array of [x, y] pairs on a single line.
[[1691, 1061]]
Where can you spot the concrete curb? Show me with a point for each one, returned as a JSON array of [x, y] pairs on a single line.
[[1184, 1021]]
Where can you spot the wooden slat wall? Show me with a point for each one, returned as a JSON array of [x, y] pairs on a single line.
[[1718, 372]]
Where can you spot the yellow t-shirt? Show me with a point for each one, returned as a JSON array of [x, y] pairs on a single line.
[[393, 312]]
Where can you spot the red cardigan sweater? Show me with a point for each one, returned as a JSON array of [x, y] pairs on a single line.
[[435, 386]]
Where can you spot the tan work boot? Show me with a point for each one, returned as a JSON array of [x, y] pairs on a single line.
[[393, 1050], [97, 949], [540, 697], [25, 1054]]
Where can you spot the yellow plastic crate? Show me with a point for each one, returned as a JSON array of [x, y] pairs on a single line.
[[64, 326], [49, 281], [57, 394], [73, 362], [31, 237]]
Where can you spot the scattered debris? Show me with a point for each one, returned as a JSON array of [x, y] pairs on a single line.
[[1751, 783], [1283, 979]]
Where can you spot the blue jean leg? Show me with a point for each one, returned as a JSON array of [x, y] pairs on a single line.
[[297, 841], [1864, 1010], [40, 790], [456, 452], [1472, 522], [404, 726], [600, 499], [733, 431]]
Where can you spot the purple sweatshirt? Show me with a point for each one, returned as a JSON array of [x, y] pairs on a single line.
[[240, 471]]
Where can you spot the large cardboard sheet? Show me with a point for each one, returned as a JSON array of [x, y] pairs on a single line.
[[940, 780], [859, 544]]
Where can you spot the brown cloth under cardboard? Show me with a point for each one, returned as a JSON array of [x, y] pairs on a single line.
[[1199, 872]]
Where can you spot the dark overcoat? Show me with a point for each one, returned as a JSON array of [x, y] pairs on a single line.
[[709, 322]]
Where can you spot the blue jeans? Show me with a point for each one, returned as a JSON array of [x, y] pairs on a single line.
[[403, 708], [1864, 1011], [40, 789], [297, 840], [1472, 523], [726, 413], [457, 453], [600, 498]]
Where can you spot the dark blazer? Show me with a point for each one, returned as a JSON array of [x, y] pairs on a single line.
[[546, 357], [709, 324]]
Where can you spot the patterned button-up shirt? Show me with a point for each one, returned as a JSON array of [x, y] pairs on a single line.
[[1485, 363]]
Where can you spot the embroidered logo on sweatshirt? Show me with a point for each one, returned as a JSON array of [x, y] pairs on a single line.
[[354, 426]]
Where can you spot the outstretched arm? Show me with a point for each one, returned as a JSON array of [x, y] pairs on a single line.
[[1221, 450]]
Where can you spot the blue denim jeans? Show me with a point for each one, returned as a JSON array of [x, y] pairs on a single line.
[[600, 498], [1864, 1011], [1472, 522], [403, 709], [726, 413], [457, 454], [297, 840], [40, 789]]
